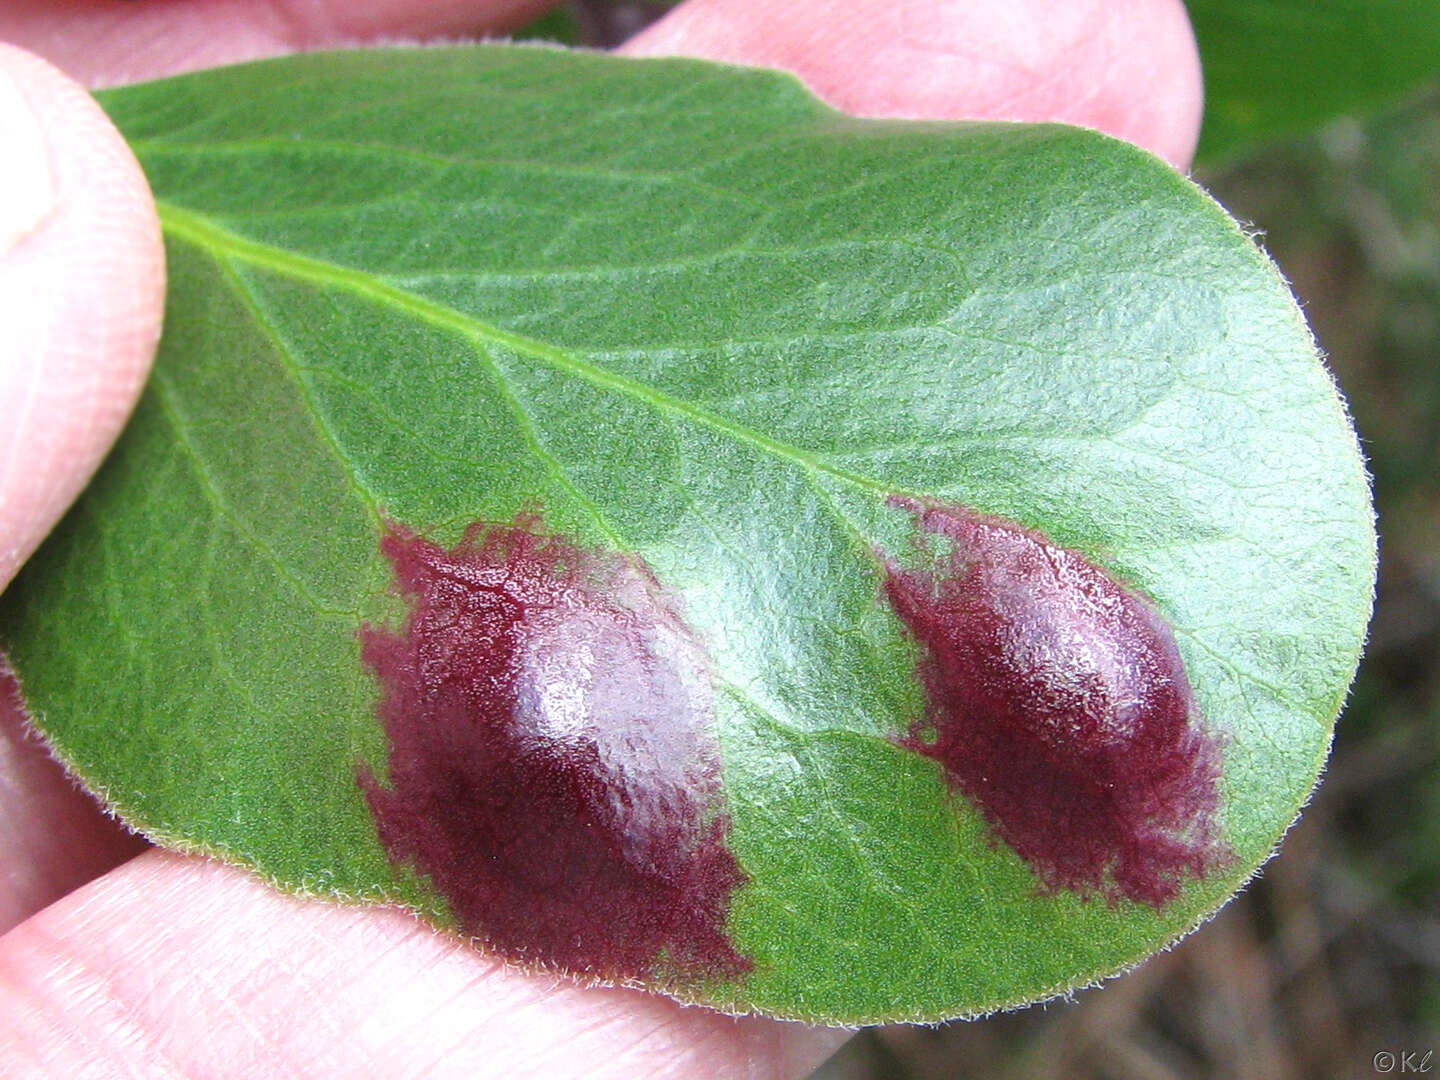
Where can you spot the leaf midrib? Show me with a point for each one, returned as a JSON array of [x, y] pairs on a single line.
[[198, 230], [205, 233]]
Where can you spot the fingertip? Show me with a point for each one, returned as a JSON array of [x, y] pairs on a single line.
[[53, 837], [1126, 67], [82, 283], [399, 997], [107, 43]]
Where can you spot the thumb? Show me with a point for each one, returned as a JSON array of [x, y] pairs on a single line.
[[82, 280]]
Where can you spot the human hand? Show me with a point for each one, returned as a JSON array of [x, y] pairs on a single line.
[[162, 964]]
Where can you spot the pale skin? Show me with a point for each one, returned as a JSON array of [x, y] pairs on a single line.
[[118, 959]]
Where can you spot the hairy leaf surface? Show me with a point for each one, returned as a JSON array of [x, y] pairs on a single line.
[[666, 363]]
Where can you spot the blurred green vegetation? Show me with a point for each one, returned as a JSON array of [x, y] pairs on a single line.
[[560, 25], [1277, 67]]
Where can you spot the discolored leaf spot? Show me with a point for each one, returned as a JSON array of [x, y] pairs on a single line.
[[1059, 705], [551, 768]]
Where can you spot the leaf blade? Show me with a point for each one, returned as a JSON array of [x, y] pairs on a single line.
[[1040, 323]]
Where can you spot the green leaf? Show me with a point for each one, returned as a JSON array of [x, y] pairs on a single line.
[[707, 330], [1282, 67]]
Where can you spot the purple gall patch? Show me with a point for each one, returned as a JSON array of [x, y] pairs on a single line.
[[552, 767], [1059, 706]]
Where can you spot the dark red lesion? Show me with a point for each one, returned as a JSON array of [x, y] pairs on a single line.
[[1059, 705], [552, 767]]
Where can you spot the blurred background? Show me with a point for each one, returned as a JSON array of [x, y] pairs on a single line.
[[1331, 959]]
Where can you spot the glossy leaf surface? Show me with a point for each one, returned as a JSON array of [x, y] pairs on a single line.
[[706, 335]]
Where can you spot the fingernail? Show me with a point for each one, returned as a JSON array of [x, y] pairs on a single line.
[[27, 188]]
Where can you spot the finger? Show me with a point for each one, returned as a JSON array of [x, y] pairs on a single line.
[[81, 296], [1126, 67], [181, 967], [53, 838], [103, 43]]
